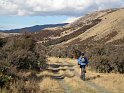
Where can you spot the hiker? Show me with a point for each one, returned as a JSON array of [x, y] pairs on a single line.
[[82, 61]]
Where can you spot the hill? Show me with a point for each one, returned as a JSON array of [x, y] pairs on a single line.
[[100, 34], [100, 27], [4, 35], [36, 61], [33, 28]]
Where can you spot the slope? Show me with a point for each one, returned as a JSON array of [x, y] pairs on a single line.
[[109, 29], [100, 27]]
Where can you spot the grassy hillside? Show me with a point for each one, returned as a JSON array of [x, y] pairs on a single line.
[[99, 34], [100, 27], [25, 66]]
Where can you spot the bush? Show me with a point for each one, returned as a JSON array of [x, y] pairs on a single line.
[[108, 58], [21, 42], [23, 59], [24, 53], [20, 54], [117, 63], [2, 42], [4, 81], [62, 52], [100, 64]]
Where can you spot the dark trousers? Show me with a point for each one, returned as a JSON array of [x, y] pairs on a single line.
[[82, 69]]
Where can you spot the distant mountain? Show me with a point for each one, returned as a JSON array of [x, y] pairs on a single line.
[[33, 28]]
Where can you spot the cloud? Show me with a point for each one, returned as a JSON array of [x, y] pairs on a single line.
[[70, 19], [1, 27], [11, 26], [55, 7]]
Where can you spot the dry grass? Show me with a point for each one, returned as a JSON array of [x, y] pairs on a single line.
[[22, 87], [73, 82], [63, 60], [77, 86], [45, 73], [66, 73], [64, 68], [53, 59], [112, 82], [61, 72], [69, 74], [49, 85], [110, 23]]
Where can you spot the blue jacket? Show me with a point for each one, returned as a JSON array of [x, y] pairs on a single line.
[[80, 61]]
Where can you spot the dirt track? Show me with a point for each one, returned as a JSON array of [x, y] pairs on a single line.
[[64, 77], [69, 78]]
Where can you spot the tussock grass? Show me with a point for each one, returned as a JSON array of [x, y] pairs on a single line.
[[65, 67], [45, 73], [66, 73], [55, 59], [22, 87], [49, 85], [111, 81], [77, 86], [61, 72], [69, 74]]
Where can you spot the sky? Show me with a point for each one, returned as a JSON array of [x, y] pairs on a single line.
[[24, 13]]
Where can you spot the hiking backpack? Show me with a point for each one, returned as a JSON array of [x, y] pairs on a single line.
[[83, 60]]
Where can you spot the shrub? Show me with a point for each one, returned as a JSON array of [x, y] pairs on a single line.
[[18, 54], [23, 59], [24, 53], [108, 58], [2, 42], [117, 63], [21, 42], [62, 52], [100, 64]]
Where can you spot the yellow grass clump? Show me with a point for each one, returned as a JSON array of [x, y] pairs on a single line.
[[45, 73], [112, 82], [49, 85], [77, 86]]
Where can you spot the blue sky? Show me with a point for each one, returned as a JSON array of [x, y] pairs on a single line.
[[12, 22], [24, 13]]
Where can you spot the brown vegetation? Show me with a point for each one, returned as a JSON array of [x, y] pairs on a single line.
[[107, 58], [19, 55], [74, 34]]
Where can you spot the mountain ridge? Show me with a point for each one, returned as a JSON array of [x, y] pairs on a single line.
[[33, 28], [104, 26]]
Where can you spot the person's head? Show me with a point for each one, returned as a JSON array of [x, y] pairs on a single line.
[[82, 53]]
